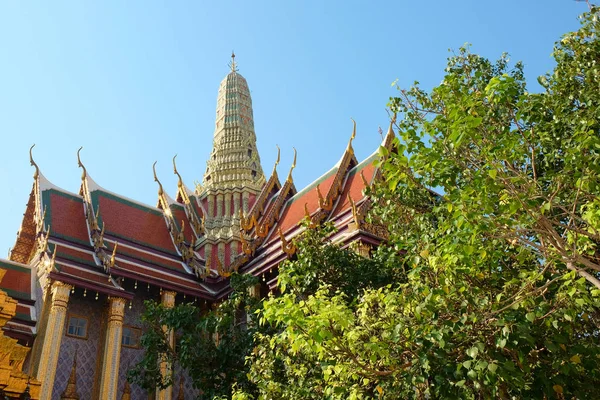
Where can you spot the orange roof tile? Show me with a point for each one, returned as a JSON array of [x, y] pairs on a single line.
[[294, 208], [17, 280], [354, 184], [180, 215], [149, 258], [134, 222], [65, 215]]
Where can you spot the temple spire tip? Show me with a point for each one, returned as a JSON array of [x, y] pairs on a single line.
[[233, 64]]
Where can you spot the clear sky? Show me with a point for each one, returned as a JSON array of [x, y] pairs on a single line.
[[135, 82]]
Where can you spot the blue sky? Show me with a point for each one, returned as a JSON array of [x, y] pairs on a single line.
[[136, 82]]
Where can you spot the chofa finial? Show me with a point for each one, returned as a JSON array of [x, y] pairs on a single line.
[[180, 181], [80, 164], [33, 164], [160, 188], [277, 161], [392, 122], [353, 135], [289, 178]]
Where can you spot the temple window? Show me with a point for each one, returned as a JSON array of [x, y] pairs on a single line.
[[131, 336], [254, 174], [77, 326], [249, 152]]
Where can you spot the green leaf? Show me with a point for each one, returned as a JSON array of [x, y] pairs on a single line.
[[472, 352], [530, 316]]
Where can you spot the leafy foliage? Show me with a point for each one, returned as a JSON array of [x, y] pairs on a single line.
[[211, 346], [500, 297], [489, 285]]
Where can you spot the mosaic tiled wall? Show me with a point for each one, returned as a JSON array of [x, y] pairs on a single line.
[[131, 356], [87, 349]]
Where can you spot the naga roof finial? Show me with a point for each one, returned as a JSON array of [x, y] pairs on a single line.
[[233, 64], [80, 164], [392, 122], [33, 164], [180, 181], [289, 178], [353, 135], [277, 161], [160, 188]]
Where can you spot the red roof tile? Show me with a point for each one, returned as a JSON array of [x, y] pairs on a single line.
[[354, 186], [294, 212], [134, 222], [72, 254], [149, 258], [65, 215], [180, 215], [17, 280]]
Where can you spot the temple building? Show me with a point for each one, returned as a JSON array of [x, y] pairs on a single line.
[[84, 263]]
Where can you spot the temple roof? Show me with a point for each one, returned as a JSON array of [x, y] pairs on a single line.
[[17, 282]]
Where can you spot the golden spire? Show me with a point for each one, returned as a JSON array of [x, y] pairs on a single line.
[[80, 164], [180, 181], [70, 392], [352, 137], [160, 188], [233, 64], [33, 164], [289, 178]]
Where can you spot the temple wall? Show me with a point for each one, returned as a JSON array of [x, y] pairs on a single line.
[[87, 349], [131, 356]]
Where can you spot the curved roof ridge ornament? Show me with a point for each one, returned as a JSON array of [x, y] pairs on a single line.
[[160, 187], [33, 164], [277, 161], [289, 178], [352, 136], [180, 181], [80, 165], [392, 122]]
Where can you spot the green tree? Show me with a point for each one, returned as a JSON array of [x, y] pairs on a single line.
[[494, 292], [489, 284], [211, 346]]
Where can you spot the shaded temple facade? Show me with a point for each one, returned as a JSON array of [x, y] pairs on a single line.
[[94, 256]]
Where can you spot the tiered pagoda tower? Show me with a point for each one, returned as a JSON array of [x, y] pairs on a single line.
[[234, 176]]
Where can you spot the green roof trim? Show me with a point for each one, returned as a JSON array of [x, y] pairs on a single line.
[[23, 317], [76, 259], [15, 294], [14, 267]]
